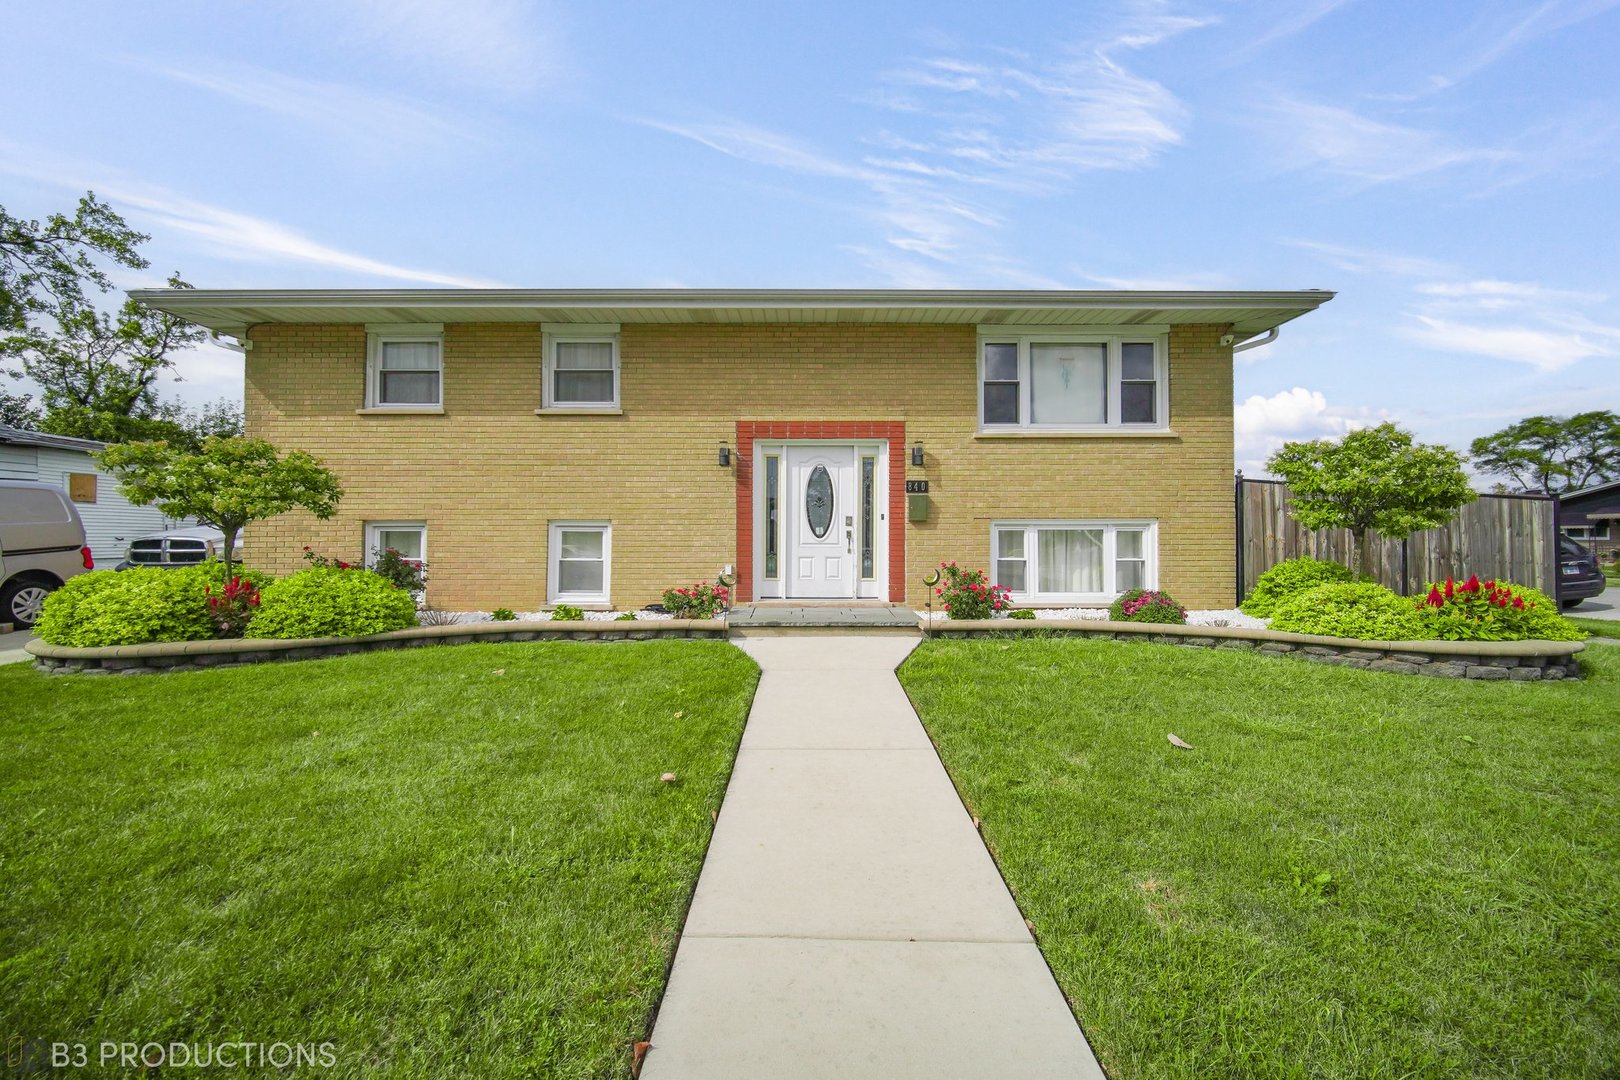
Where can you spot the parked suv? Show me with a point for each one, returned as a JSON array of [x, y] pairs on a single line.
[[41, 546], [176, 547], [1579, 575]]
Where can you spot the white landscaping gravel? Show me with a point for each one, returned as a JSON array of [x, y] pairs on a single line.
[[1224, 617], [457, 618]]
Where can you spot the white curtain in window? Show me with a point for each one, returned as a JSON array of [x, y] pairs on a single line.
[[579, 562], [410, 373], [1071, 560], [1068, 383], [584, 371]]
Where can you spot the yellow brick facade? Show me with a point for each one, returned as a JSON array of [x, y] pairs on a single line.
[[489, 474]]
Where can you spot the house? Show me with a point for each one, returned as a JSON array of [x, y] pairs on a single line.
[[596, 447], [110, 520], [1592, 516]]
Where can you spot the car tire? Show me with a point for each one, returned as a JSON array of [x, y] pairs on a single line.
[[1567, 604], [20, 601]]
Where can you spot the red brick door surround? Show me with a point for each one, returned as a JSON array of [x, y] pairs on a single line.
[[751, 431]]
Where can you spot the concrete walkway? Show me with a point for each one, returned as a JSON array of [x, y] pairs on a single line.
[[11, 646], [849, 922]]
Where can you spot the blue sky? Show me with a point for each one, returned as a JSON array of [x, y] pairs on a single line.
[[1449, 168]]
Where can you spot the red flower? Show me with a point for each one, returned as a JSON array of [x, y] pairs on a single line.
[[1450, 590], [1518, 603], [1434, 597], [1472, 584]]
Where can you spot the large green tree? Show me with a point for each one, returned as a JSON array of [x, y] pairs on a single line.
[[227, 483], [1377, 478], [1553, 454], [44, 264], [98, 372]]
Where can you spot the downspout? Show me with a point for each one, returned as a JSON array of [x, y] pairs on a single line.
[[1255, 343], [237, 346]]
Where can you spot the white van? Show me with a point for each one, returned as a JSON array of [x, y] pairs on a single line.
[[41, 546]]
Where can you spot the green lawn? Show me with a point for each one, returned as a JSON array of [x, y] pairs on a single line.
[[1598, 627], [447, 862], [1469, 920]]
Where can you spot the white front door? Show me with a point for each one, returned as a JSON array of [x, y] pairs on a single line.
[[821, 517]]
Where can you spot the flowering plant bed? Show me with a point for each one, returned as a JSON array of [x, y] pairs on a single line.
[[968, 594]]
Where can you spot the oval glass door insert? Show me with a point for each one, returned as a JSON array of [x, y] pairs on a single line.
[[818, 501]]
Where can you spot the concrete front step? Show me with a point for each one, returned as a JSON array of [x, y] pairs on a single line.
[[846, 617]]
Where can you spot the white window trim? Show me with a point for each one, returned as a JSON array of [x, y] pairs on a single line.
[[380, 334], [1150, 546], [549, 340], [1110, 337], [554, 557], [374, 542]]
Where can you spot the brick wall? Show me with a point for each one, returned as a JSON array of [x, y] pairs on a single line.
[[488, 475]]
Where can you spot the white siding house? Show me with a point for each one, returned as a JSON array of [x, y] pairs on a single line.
[[110, 520]]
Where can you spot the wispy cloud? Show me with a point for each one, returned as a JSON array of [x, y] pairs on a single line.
[[488, 44], [1494, 36], [1545, 349], [1296, 17], [348, 112], [981, 129], [1370, 261], [1342, 142], [221, 232]]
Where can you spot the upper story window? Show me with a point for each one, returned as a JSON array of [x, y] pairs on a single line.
[[581, 367], [404, 367], [1073, 382]]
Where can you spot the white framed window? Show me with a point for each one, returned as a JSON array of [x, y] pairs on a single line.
[[581, 368], [409, 538], [581, 562], [1074, 381], [1073, 561], [404, 366]]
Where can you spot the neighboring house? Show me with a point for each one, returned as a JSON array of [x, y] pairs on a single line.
[[1592, 516], [597, 447], [110, 520]]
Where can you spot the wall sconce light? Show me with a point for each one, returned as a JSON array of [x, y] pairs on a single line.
[[917, 454], [725, 455]]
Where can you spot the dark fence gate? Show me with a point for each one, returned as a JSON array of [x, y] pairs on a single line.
[[1497, 536]]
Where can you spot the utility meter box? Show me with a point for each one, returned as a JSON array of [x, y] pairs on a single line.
[[916, 507]]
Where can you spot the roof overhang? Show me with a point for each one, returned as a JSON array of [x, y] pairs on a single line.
[[232, 311]]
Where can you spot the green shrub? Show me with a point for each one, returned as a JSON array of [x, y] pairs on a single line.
[[1476, 610], [326, 602], [1022, 613], [625, 616], [1145, 605], [1290, 577], [1351, 610], [136, 606], [566, 613], [503, 614]]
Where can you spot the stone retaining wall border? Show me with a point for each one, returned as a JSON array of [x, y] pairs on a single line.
[[1519, 661], [192, 655]]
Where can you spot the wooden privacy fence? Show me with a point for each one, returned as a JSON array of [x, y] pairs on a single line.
[[1497, 536]]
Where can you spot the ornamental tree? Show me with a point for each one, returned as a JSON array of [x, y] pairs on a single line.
[[227, 483], [1375, 478]]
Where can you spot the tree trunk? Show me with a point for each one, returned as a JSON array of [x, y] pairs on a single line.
[[1360, 553], [230, 550]]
